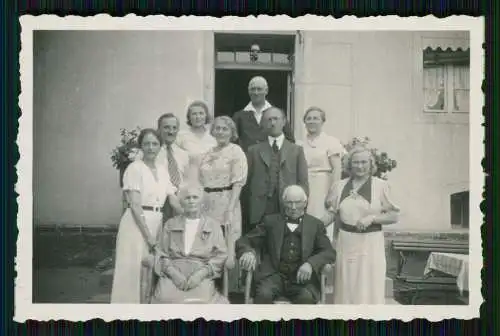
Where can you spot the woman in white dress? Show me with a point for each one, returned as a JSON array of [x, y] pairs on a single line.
[[361, 206], [197, 140], [146, 185], [323, 155]]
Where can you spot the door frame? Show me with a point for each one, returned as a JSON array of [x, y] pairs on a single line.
[[295, 73]]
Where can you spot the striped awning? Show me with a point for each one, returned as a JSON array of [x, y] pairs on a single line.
[[453, 44]]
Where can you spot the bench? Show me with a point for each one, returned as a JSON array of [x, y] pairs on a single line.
[[420, 283]]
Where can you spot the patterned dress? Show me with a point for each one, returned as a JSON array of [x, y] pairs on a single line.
[[196, 146], [219, 171]]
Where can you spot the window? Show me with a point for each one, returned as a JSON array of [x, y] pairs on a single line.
[[254, 50], [459, 207], [446, 80]]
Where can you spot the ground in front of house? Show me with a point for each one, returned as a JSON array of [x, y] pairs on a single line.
[[76, 267]]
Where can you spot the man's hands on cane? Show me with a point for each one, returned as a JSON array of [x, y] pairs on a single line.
[[248, 261]]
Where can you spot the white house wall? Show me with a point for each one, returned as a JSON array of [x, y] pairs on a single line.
[[88, 85], [366, 83]]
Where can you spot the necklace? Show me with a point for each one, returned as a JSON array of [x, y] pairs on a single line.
[[311, 139]]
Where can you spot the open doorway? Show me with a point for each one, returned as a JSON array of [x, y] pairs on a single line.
[[231, 89]]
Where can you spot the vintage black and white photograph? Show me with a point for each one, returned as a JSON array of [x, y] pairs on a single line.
[[181, 162]]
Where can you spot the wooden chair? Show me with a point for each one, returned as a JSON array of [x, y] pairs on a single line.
[[147, 271], [327, 269]]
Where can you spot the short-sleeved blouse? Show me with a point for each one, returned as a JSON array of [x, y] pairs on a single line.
[[224, 168], [195, 145], [319, 150], [139, 177]]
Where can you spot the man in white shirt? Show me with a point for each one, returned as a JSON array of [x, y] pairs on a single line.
[[174, 158], [171, 155], [248, 120]]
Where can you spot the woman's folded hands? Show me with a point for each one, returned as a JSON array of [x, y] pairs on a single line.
[[183, 283]]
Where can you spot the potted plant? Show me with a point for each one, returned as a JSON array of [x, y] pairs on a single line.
[[384, 163], [126, 151]]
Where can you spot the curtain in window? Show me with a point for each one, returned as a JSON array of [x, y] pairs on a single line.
[[460, 88], [434, 79]]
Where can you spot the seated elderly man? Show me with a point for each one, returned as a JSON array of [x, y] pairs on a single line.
[[294, 248], [191, 253]]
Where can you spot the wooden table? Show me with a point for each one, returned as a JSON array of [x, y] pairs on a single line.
[[456, 265]]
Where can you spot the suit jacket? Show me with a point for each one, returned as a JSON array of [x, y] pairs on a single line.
[[293, 170], [251, 133], [267, 240]]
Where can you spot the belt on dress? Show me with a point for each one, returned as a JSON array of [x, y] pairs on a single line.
[[354, 229], [211, 190], [312, 172], [151, 208]]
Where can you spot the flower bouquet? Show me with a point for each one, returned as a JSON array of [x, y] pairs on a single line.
[[126, 151], [384, 163]]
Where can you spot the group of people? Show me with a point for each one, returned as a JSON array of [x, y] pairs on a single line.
[[239, 194]]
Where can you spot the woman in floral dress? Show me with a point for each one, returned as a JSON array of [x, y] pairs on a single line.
[[223, 172]]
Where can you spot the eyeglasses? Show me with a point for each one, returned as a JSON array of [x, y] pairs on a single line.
[[294, 202]]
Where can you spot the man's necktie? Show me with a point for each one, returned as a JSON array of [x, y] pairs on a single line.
[[275, 146], [293, 220], [173, 169]]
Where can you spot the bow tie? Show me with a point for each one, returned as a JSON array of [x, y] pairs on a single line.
[[294, 220]]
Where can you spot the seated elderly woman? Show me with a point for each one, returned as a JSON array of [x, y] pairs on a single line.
[[191, 253]]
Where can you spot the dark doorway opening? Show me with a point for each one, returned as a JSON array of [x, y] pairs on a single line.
[[231, 89], [459, 205]]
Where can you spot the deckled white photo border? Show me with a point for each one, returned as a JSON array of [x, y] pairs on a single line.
[[25, 309]]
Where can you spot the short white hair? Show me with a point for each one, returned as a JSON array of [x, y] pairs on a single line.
[[259, 80], [294, 190], [187, 188]]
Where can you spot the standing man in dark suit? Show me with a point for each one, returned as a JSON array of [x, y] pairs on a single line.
[[272, 166], [248, 120], [293, 249], [251, 132]]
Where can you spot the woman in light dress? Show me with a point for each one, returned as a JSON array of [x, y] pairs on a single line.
[[323, 155], [190, 255], [146, 186], [361, 206], [197, 140], [223, 173]]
